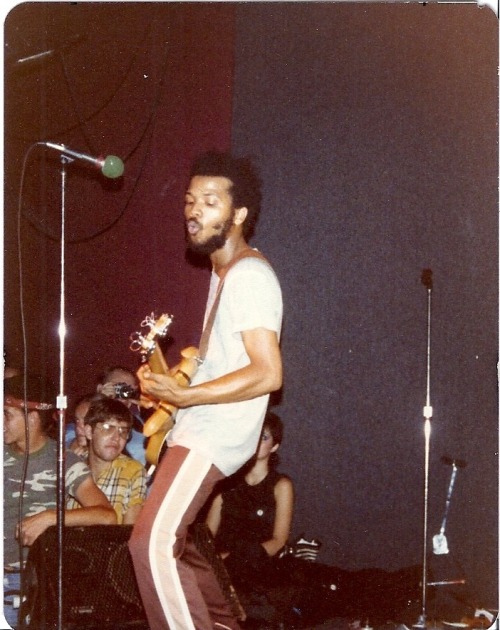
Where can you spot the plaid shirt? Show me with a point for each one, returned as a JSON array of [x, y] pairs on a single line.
[[123, 483]]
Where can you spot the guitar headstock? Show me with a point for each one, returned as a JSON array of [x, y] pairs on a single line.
[[146, 343]]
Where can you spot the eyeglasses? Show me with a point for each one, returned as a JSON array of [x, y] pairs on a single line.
[[109, 429]]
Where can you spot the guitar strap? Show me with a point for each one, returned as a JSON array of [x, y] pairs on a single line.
[[246, 253]]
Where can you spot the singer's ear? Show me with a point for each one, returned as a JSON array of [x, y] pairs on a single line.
[[240, 214]]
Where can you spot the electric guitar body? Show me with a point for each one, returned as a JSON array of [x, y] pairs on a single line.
[[162, 419]]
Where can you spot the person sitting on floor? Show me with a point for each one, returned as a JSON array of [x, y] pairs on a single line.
[[30, 466], [250, 519], [107, 426]]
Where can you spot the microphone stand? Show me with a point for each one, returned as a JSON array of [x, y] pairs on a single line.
[[61, 408], [112, 167], [427, 414]]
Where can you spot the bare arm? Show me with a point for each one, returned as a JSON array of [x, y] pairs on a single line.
[[284, 495], [131, 515], [95, 510], [214, 514], [261, 376], [213, 520]]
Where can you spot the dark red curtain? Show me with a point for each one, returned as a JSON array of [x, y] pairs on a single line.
[[151, 84]]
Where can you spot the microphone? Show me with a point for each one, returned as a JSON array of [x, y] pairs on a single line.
[[111, 166]]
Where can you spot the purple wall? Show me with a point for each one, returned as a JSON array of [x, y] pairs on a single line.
[[375, 125]]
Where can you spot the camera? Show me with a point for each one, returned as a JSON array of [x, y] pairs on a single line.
[[125, 392]]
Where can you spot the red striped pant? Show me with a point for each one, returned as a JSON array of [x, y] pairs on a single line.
[[178, 587]]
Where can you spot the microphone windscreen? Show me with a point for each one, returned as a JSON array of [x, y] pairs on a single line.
[[113, 167]]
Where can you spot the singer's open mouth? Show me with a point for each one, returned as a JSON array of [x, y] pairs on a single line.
[[193, 227]]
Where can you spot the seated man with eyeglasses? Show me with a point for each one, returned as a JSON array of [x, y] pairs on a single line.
[[108, 427]]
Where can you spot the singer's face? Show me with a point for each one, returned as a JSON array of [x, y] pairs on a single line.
[[209, 213]]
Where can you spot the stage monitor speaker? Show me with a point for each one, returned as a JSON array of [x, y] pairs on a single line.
[[99, 586]]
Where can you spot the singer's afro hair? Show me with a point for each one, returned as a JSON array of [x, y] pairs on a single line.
[[246, 183]]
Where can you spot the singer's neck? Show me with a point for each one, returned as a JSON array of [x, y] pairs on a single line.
[[232, 248]]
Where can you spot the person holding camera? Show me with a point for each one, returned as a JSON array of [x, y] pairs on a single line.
[[119, 382], [107, 427]]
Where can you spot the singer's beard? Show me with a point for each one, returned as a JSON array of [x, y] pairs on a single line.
[[213, 243]]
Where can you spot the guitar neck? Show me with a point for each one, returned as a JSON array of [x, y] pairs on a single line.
[[156, 361]]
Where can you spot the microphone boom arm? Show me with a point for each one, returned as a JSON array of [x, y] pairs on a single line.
[[111, 166]]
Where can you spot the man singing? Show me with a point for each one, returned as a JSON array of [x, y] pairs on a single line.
[[221, 414]]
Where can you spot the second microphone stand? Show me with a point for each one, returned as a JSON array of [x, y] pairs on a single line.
[[427, 414]]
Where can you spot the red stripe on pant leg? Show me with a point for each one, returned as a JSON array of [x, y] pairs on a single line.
[[168, 587]]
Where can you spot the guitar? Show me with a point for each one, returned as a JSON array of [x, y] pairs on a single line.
[[162, 420]]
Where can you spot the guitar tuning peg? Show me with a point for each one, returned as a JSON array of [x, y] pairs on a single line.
[[135, 344], [148, 321]]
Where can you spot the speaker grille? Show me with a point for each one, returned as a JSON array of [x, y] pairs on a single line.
[[99, 585]]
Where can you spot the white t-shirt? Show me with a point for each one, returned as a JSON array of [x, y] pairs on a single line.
[[228, 433]]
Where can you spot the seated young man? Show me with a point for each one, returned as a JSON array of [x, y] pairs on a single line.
[[119, 382], [107, 426], [29, 425]]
